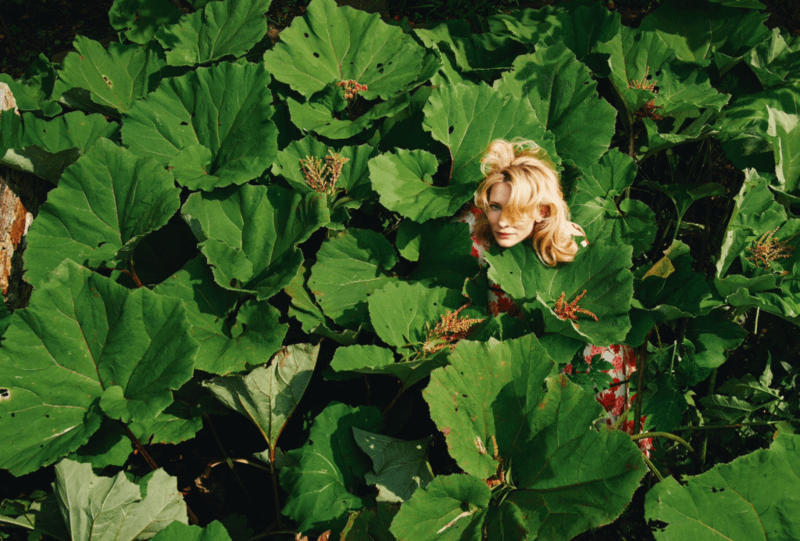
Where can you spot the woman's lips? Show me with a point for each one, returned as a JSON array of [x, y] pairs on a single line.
[[505, 235]]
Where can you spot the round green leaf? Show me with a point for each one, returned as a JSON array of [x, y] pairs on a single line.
[[492, 408], [114, 78], [466, 118], [600, 269], [405, 184], [349, 268], [562, 92], [269, 394], [328, 469], [105, 203], [752, 498], [81, 335], [226, 344], [330, 44], [140, 19], [218, 30], [251, 234], [211, 125]]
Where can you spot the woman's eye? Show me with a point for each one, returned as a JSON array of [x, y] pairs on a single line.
[[495, 207]]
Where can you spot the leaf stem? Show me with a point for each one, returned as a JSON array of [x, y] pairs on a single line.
[[641, 365], [704, 446], [652, 467], [227, 460], [667, 435], [272, 532], [140, 447], [153, 466], [275, 494], [714, 427], [392, 403]]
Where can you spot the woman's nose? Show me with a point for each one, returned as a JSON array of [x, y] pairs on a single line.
[[503, 221]]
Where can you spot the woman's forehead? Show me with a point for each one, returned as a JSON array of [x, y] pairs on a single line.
[[502, 192]]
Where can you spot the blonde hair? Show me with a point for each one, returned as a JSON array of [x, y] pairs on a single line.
[[535, 194]]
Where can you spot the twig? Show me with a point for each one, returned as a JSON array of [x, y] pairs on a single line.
[[273, 532], [704, 446], [227, 458], [641, 365], [391, 404]]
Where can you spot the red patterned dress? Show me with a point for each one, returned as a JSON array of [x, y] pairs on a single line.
[[614, 400]]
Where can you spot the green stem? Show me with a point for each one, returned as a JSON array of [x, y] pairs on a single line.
[[652, 467], [667, 435], [641, 366], [275, 495], [704, 446], [715, 427], [621, 420]]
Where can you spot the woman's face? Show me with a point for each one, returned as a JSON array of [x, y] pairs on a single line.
[[506, 234]]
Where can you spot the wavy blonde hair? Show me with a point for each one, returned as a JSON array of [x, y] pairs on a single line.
[[535, 193]]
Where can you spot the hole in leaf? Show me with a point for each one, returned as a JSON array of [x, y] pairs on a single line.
[[316, 55], [451, 129], [13, 415], [5, 394], [305, 34], [101, 244], [184, 123]]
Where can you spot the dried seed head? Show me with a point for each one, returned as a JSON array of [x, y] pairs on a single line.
[[449, 330], [570, 311], [768, 248]]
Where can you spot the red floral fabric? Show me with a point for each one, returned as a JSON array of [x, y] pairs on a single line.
[[614, 400]]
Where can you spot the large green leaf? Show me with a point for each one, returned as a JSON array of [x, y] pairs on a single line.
[[327, 113], [595, 208], [744, 127], [211, 126], [140, 19], [600, 269], [580, 29], [468, 55], [698, 32], [561, 91], [400, 466], [752, 498], [227, 344], [669, 290], [104, 204], [443, 509], [305, 309], [639, 60], [403, 314], [371, 524], [708, 340], [84, 337], [755, 212], [113, 508], [774, 61], [466, 118], [404, 180], [785, 135], [353, 181], [496, 417], [330, 44], [114, 78], [178, 531], [46, 147], [269, 394], [220, 29], [250, 234], [445, 255], [33, 92], [41, 514], [349, 268], [353, 361], [322, 484]]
